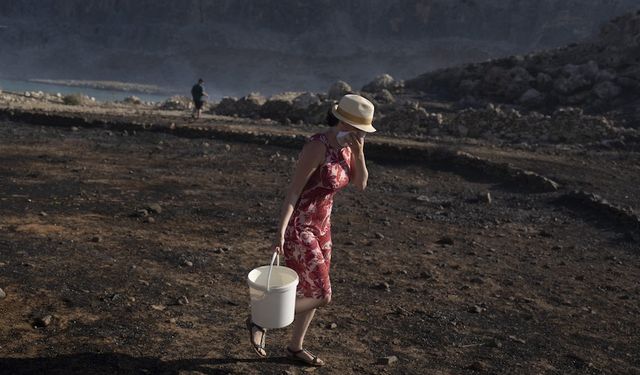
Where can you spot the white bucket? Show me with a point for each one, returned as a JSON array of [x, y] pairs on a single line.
[[273, 294]]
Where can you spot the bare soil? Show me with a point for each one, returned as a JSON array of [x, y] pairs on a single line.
[[520, 285]]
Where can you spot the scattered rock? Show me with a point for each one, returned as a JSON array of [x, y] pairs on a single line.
[[475, 309], [96, 239], [187, 263], [517, 339], [332, 326], [140, 213], [485, 198], [445, 241], [383, 286], [379, 236], [387, 360], [494, 344], [183, 300], [155, 208], [3, 295], [158, 307], [478, 366], [43, 322], [578, 361]]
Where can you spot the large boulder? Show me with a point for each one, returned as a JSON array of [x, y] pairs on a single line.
[[279, 107], [495, 81], [519, 83], [338, 90], [532, 98], [468, 86], [177, 103], [305, 100], [381, 82], [606, 90], [316, 114], [576, 78], [384, 96], [249, 106], [544, 82], [133, 100], [409, 119], [227, 106]]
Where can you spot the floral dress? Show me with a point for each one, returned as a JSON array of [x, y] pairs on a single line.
[[307, 241]]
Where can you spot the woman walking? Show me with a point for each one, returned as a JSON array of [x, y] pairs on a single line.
[[328, 162]]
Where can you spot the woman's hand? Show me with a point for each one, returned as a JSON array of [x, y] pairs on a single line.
[[278, 246], [355, 140]]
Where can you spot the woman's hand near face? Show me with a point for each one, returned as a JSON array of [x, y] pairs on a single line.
[[360, 175], [355, 140]]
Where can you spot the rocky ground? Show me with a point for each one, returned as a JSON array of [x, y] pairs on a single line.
[[127, 252]]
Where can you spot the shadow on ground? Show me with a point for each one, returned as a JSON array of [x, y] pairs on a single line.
[[116, 363]]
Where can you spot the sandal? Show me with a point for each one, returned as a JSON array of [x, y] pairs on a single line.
[[258, 348], [314, 361]]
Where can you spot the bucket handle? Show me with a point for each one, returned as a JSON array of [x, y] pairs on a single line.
[[273, 258]]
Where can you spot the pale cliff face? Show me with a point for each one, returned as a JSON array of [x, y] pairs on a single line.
[[285, 44]]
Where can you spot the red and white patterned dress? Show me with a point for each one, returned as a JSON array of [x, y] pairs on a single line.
[[307, 239]]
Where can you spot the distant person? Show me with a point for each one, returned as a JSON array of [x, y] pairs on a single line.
[[328, 162], [197, 93]]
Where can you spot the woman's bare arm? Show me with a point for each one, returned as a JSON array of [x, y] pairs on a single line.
[[311, 157]]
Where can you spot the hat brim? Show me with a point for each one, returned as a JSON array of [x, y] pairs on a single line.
[[367, 128]]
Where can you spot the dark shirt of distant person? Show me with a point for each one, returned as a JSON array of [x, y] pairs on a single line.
[[198, 94]]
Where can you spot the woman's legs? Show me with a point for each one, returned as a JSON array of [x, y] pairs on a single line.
[[300, 326], [305, 310], [305, 304]]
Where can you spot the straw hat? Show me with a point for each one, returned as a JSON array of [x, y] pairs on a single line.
[[355, 111]]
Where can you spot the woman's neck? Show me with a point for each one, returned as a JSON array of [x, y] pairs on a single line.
[[331, 135]]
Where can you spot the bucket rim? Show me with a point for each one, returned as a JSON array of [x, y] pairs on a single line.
[[279, 288]]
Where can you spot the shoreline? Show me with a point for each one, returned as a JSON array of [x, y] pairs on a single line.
[[107, 85]]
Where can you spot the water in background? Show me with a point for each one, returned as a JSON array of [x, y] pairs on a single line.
[[100, 95]]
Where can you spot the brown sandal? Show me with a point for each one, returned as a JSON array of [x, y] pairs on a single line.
[[314, 361], [258, 348]]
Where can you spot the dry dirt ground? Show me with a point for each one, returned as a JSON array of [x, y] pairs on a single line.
[[518, 286]]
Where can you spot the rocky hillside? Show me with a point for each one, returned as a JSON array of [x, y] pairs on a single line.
[[601, 76], [244, 45]]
